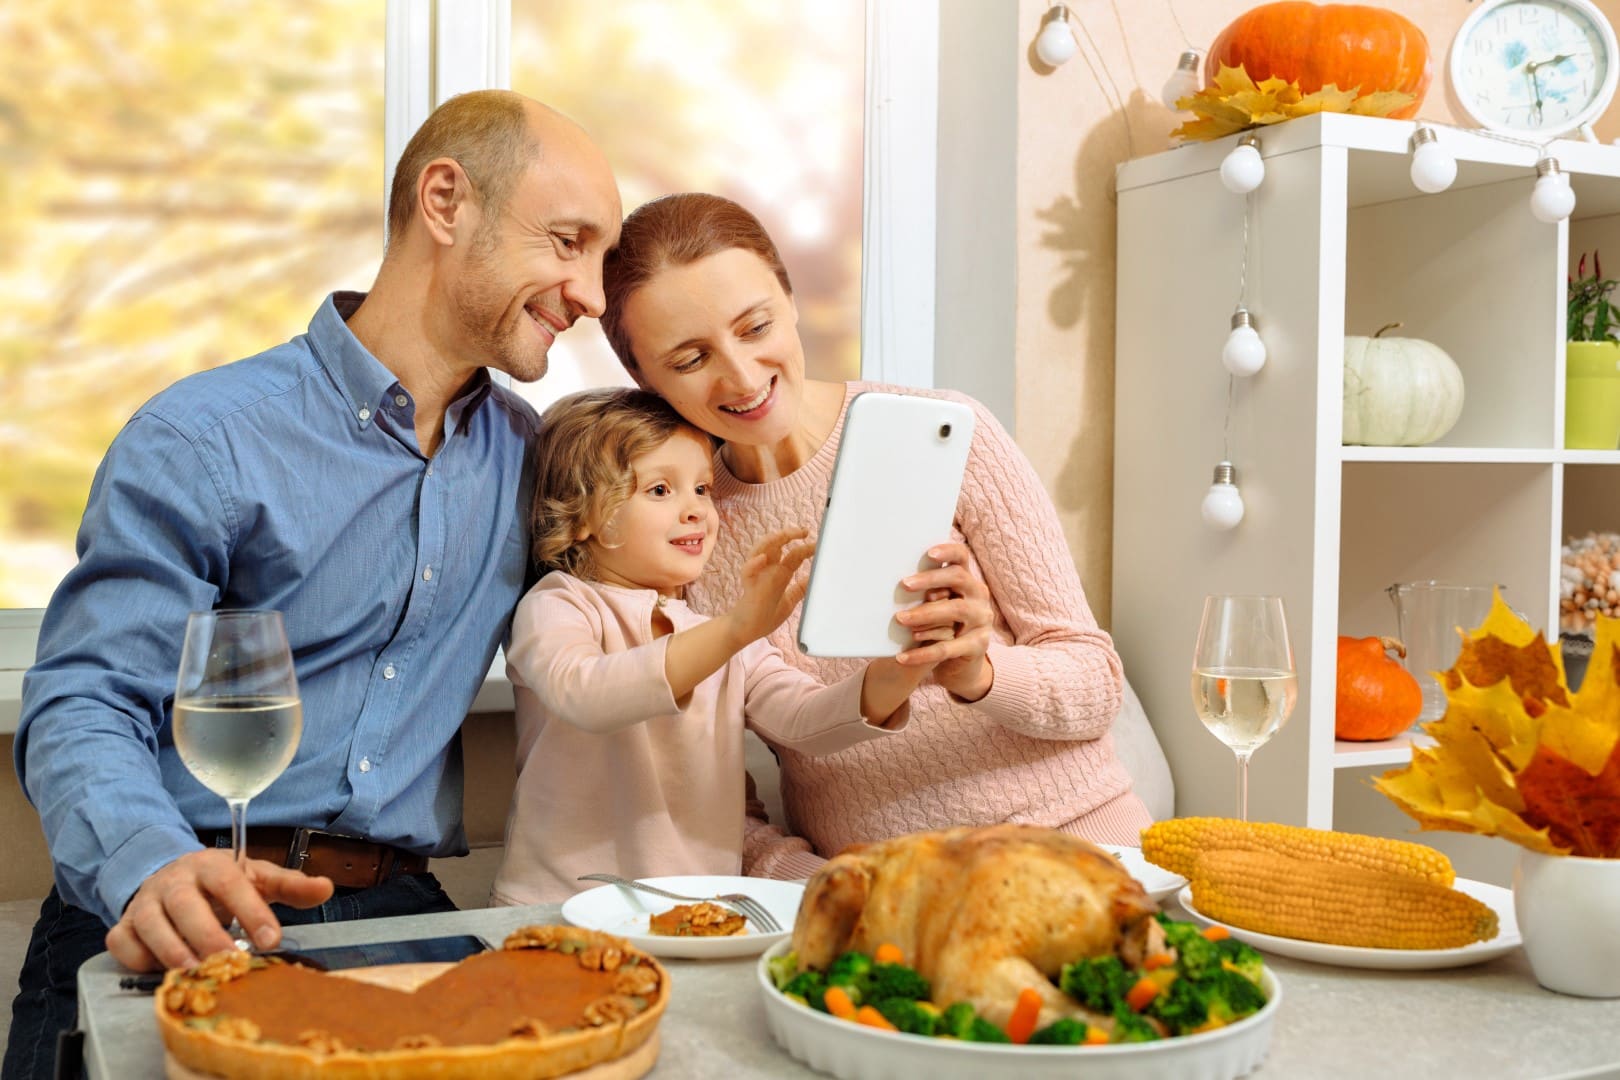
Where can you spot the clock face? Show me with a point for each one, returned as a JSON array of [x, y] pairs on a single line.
[[1535, 66]]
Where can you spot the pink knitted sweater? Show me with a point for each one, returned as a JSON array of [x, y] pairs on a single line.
[[1035, 749]]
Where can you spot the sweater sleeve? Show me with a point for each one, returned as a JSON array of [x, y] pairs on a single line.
[[792, 708], [557, 652], [770, 851], [1060, 678]]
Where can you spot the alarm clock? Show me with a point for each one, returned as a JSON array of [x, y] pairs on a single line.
[[1535, 67]]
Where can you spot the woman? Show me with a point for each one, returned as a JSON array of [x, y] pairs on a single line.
[[1015, 724]]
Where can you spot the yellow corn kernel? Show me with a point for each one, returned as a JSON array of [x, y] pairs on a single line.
[[1178, 843], [1335, 903]]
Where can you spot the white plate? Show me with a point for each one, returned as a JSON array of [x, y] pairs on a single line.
[[1505, 941], [857, 1052], [615, 909], [1159, 882]]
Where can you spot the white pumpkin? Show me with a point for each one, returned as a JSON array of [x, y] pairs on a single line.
[[1398, 391]]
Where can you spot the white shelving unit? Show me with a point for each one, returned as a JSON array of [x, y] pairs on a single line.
[[1340, 242]]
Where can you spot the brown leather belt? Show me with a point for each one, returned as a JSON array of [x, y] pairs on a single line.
[[350, 862]]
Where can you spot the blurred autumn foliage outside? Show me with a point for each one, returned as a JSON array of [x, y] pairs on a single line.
[[182, 183]]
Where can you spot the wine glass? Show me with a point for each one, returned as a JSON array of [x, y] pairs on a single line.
[[1243, 680], [237, 714]]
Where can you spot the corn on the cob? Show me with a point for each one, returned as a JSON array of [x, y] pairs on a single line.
[[1335, 903], [1178, 843]]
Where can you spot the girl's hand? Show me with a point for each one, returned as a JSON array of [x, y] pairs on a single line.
[[886, 687], [954, 618], [772, 585]]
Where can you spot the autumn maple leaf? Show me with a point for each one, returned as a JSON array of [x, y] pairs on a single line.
[[1235, 102], [1517, 755]]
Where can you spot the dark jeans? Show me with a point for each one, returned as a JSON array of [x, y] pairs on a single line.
[[66, 936]]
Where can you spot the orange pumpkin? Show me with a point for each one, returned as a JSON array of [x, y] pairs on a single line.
[[1376, 697], [1349, 45]]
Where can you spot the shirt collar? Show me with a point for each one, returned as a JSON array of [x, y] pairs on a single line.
[[361, 378]]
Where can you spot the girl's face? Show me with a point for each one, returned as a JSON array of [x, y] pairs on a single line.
[[663, 536], [718, 339]]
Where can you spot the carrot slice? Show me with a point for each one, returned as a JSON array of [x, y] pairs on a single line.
[[1025, 1013], [1216, 933], [888, 953], [1095, 1036], [872, 1018], [1158, 960], [1142, 994], [838, 1002]]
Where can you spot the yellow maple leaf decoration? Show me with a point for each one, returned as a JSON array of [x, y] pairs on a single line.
[[1236, 103], [1518, 755]]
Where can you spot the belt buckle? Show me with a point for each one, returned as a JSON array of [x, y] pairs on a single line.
[[298, 850]]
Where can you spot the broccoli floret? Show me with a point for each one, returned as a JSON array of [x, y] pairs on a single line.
[[849, 969], [982, 1030], [783, 968], [1232, 996], [1238, 957], [809, 985], [909, 1015], [1130, 1028], [1099, 983], [956, 1021], [1183, 1005], [1065, 1031], [894, 981]]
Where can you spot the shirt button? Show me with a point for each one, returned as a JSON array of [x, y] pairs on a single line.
[[365, 764], [401, 400], [430, 470], [365, 414], [388, 672], [427, 573]]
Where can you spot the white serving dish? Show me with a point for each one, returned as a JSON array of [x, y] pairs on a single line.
[[856, 1052]]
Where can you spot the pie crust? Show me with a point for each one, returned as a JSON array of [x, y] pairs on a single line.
[[240, 1016]]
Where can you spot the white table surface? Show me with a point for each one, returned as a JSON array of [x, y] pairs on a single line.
[[1486, 1021]]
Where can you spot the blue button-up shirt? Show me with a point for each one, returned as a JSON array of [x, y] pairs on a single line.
[[290, 480]]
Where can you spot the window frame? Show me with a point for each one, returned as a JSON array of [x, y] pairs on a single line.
[[435, 49]]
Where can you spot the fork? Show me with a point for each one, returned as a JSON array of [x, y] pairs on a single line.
[[745, 905]]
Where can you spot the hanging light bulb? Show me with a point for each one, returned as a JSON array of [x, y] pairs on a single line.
[[1244, 352], [1183, 82], [1433, 167], [1055, 43], [1552, 200], [1243, 168], [1223, 503]]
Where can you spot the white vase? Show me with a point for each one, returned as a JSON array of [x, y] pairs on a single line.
[[1569, 917]]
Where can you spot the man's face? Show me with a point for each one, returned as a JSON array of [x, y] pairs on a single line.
[[535, 265]]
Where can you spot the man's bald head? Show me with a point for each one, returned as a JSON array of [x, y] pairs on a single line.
[[494, 135]]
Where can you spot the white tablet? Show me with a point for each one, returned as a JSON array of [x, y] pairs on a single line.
[[893, 496]]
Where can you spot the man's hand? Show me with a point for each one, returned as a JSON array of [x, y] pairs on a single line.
[[179, 914]]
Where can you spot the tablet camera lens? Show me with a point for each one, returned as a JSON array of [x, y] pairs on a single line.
[[944, 431]]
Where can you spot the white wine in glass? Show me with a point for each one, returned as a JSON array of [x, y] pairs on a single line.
[[237, 714], [1243, 682]]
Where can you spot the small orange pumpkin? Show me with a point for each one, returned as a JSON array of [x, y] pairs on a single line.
[[1349, 45], [1376, 697]]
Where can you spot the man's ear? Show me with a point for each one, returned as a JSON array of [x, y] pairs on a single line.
[[445, 201]]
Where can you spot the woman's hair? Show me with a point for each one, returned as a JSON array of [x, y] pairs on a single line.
[[583, 467], [676, 230]]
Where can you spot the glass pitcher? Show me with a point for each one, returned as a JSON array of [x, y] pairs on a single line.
[[1428, 617]]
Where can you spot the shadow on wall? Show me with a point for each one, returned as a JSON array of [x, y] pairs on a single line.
[[1080, 228]]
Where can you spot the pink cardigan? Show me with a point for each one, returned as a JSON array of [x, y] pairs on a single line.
[[613, 773], [1035, 749]]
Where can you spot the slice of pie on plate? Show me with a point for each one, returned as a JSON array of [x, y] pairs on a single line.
[[702, 919], [553, 1000]]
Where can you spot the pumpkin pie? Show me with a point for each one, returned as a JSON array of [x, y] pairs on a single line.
[[702, 919], [552, 1001]]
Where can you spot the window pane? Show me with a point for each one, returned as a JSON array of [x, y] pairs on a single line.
[[758, 101], [183, 182]]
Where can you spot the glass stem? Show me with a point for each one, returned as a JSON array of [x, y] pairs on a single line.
[[1243, 786], [239, 854]]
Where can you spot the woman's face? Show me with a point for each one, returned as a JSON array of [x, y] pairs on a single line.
[[719, 340]]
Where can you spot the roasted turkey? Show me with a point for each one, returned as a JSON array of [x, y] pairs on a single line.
[[981, 913]]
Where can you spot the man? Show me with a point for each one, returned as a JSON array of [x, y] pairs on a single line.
[[367, 480]]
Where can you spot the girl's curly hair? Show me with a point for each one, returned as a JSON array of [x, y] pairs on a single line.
[[583, 471]]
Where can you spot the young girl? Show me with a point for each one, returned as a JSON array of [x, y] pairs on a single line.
[[631, 706]]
